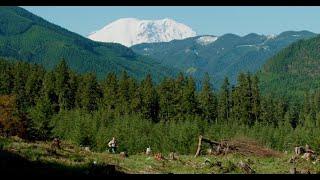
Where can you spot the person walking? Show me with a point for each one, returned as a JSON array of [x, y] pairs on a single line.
[[113, 145]]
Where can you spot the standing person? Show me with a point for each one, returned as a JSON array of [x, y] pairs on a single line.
[[113, 145]]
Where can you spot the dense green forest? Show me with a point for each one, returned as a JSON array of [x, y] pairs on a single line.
[[30, 38], [39, 104], [226, 55], [293, 71]]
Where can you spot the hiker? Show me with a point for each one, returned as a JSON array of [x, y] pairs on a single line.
[[113, 145]]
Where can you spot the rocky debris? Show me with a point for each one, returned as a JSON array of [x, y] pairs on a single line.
[[293, 159], [209, 163], [123, 154], [299, 150], [87, 149], [172, 156], [241, 146], [306, 152], [294, 170], [159, 157], [246, 168], [308, 156]]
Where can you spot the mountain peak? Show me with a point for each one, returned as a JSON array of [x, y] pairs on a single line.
[[131, 31]]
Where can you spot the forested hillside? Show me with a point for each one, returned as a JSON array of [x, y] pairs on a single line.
[[293, 71], [27, 37], [226, 55], [169, 116]]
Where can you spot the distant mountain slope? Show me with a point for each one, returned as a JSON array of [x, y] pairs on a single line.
[[28, 37], [294, 70], [131, 31], [222, 56]]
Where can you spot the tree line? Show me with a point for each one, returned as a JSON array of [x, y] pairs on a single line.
[[39, 104]]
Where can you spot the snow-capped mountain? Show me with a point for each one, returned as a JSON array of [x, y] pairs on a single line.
[[205, 40], [131, 31]]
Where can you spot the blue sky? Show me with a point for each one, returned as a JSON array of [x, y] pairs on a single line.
[[204, 20]]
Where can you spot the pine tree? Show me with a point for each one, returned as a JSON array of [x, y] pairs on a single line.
[[242, 100], [135, 99], [49, 90], [123, 94], [6, 78], [208, 100], [255, 98], [167, 99], [40, 119], [224, 103], [34, 84], [150, 99], [20, 77], [267, 115], [89, 92], [189, 102], [110, 91], [62, 85]]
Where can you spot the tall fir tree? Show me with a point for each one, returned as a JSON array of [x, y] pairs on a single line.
[[208, 100], [62, 85], [110, 91], [224, 103], [89, 92], [150, 99]]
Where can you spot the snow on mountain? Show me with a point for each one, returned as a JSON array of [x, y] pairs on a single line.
[[131, 31], [205, 40], [271, 36]]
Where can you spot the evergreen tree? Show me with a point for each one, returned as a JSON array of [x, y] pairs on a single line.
[[123, 94], [6, 78], [208, 100], [224, 103], [167, 99], [150, 99], [40, 115], [34, 84], [189, 102], [62, 85], [255, 98], [89, 92], [49, 90], [110, 91]]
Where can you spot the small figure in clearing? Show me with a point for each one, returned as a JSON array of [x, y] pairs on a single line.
[[56, 143], [148, 151], [113, 145]]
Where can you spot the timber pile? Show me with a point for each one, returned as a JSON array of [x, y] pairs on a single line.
[[244, 147]]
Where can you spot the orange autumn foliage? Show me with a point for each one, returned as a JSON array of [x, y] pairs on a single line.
[[10, 123]]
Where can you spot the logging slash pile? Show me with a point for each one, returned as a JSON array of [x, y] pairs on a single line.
[[243, 147]]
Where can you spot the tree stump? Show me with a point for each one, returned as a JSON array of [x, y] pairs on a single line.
[[123, 155], [246, 168], [158, 157], [172, 156]]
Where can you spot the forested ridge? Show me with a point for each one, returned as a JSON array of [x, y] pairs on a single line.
[[39, 104], [293, 71], [30, 38]]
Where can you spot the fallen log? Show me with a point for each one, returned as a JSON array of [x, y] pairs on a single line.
[[219, 147]]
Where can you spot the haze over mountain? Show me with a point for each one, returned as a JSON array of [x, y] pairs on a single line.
[[131, 31], [27, 37], [226, 55]]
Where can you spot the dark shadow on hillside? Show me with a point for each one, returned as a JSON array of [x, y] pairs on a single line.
[[15, 165]]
